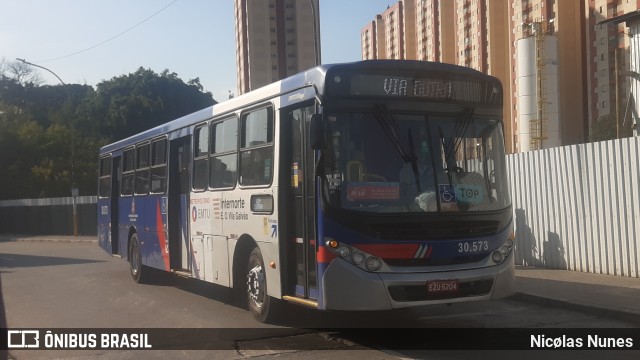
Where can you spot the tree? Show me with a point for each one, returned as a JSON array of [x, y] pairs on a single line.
[[129, 104], [20, 72], [603, 129], [50, 135]]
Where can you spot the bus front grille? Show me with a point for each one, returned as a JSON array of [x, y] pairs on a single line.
[[417, 262], [436, 230]]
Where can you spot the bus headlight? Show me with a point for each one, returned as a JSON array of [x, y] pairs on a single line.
[[354, 255], [503, 252], [343, 251], [373, 263], [497, 257], [357, 258]]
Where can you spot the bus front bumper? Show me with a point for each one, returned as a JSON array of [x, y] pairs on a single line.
[[347, 287]]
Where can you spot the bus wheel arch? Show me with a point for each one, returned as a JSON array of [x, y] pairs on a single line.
[[243, 249], [250, 280]]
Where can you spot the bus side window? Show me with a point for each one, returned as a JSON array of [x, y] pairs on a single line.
[[223, 165], [200, 158], [105, 177], [159, 166], [256, 154], [128, 174], [142, 169]]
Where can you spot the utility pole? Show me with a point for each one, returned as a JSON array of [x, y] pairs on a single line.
[[41, 67], [74, 188]]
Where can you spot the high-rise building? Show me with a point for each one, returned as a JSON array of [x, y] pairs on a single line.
[[275, 39], [607, 58], [535, 47], [393, 26], [481, 39], [471, 33], [372, 38], [435, 32]]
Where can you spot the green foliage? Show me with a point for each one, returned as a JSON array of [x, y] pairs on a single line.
[[603, 129], [606, 129], [129, 104], [50, 135]]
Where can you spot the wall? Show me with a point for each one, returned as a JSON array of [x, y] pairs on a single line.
[[576, 207], [48, 216]]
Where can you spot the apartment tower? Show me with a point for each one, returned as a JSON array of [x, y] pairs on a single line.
[[471, 33], [275, 39], [536, 48], [608, 55], [435, 33]]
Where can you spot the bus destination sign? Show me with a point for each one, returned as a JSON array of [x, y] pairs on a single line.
[[419, 88], [439, 89], [380, 85]]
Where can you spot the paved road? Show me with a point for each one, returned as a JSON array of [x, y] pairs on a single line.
[[62, 285]]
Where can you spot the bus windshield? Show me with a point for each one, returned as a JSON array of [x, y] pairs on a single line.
[[415, 162]]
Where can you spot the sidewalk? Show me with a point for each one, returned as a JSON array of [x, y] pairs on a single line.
[[615, 297]]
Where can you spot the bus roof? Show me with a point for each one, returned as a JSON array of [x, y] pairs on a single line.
[[311, 77]]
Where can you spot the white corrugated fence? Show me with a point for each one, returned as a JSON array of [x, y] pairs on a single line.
[[578, 207]]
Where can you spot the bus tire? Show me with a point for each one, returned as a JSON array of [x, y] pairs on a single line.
[[259, 302], [139, 272]]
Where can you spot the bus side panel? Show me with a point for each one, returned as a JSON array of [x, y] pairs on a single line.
[[127, 219], [104, 224], [147, 217], [156, 248]]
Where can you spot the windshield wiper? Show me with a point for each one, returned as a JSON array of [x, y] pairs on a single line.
[[457, 138], [458, 133], [388, 125], [414, 162]]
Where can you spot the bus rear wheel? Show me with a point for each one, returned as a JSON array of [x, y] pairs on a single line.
[[139, 272], [261, 305]]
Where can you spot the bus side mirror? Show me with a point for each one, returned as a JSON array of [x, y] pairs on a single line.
[[316, 132]]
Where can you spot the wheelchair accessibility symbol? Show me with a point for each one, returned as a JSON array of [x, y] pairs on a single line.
[[447, 194]]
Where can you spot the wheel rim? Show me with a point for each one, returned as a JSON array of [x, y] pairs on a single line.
[[135, 260], [255, 286]]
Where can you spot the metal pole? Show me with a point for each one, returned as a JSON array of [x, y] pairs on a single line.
[[41, 67], [74, 189], [617, 93]]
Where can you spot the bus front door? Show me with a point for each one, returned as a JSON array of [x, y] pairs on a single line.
[[301, 209]]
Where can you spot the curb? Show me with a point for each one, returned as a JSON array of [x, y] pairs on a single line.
[[614, 314], [63, 239]]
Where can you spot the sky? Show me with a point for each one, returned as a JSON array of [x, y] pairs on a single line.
[[86, 42]]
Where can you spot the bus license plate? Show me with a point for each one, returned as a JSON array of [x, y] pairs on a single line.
[[442, 286]]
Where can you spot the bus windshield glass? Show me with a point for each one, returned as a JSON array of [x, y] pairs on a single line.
[[415, 162]]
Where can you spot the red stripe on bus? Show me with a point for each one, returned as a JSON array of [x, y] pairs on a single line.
[[161, 237], [324, 255]]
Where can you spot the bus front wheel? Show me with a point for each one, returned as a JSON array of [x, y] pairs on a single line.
[[260, 303]]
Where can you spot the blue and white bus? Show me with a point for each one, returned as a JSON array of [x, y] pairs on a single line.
[[363, 186]]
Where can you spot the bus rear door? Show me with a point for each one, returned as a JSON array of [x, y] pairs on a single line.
[[179, 244]]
